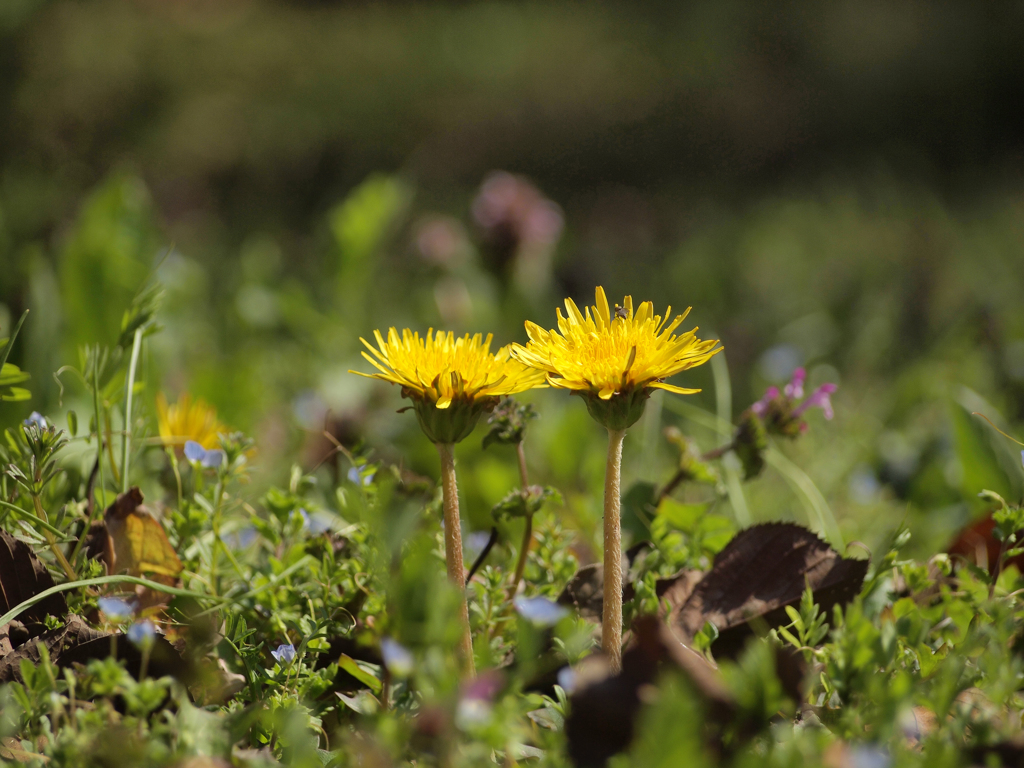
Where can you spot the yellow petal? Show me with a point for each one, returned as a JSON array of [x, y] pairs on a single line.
[[672, 388], [601, 305]]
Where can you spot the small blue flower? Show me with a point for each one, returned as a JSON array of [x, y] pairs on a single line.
[[476, 542], [37, 419], [355, 475], [397, 658], [1022, 458], [194, 451], [567, 679], [284, 654], [241, 537], [305, 517], [213, 458], [142, 633], [868, 756], [540, 610], [115, 608]]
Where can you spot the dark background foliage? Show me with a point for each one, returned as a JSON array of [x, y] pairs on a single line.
[[838, 185]]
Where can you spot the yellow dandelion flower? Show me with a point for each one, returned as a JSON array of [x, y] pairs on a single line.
[[451, 381], [186, 420], [614, 356], [614, 360]]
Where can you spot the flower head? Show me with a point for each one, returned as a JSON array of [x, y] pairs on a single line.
[[142, 633], [397, 658], [187, 420], [114, 608], [614, 357], [540, 610], [211, 459], [781, 412], [36, 419], [450, 381], [284, 654], [819, 398]]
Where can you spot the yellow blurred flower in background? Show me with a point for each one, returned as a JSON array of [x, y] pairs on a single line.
[[186, 420]]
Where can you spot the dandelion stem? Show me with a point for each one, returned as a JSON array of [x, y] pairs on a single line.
[[611, 619], [453, 550]]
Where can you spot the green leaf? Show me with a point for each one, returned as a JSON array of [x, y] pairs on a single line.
[[638, 509], [351, 666], [681, 517], [978, 457], [363, 702]]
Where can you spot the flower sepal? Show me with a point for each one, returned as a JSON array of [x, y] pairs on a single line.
[[453, 424], [620, 411]]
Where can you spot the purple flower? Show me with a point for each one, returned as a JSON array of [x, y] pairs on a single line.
[[820, 398], [795, 389], [36, 419], [509, 206], [114, 608], [142, 633], [761, 406], [284, 654]]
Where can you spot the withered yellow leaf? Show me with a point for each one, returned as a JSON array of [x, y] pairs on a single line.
[[138, 541]]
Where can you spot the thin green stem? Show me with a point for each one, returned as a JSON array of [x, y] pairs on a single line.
[[61, 560], [99, 438], [127, 434], [110, 448], [218, 544], [453, 551], [611, 615], [524, 548], [177, 473], [33, 518]]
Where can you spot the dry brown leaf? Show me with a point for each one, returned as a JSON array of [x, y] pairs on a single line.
[[762, 570], [23, 575], [11, 749]]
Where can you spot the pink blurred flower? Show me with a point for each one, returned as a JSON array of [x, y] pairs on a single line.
[[820, 398]]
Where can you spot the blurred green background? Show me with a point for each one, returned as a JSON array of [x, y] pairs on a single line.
[[837, 185]]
